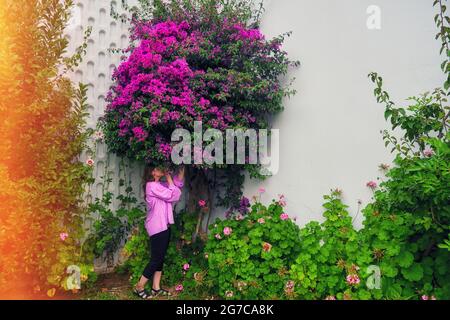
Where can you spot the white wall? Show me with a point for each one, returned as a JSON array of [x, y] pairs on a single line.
[[330, 131]]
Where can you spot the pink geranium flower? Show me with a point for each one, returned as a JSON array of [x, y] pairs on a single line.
[[353, 279], [227, 231], [90, 162], [186, 267], [179, 288], [371, 184], [282, 200], [201, 203], [284, 216], [424, 297], [428, 153]]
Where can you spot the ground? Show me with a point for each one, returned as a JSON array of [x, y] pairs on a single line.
[[111, 286]]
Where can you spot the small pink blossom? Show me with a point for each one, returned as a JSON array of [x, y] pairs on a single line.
[[202, 203], [63, 236], [353, 279], [261, 221], [239, 217], [218, 236], [371, 184], [179, 288], [284, 216], [424, 297], [289, 287], [282, 200], [227, 231], [186, 267], [90, 162], [261, 190], [428, 153]]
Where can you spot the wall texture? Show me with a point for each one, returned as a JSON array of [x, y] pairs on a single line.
[[330, 131]]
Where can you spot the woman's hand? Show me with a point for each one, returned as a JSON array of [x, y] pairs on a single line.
[[169, 179], [181, 173]]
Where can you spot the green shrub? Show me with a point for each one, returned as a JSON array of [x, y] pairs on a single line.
[[408, 221], [329, 253], [253, 261]]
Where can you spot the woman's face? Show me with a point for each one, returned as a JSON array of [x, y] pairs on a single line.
[[158, 173]]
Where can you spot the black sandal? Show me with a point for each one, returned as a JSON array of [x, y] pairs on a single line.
[[143, 294], [160, 292]]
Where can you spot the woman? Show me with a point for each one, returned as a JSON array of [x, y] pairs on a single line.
[[159, 197]]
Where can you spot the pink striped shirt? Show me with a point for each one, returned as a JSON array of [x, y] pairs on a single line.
[[159, 197]]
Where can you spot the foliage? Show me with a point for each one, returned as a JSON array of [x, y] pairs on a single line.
[[42, 117], [330, 253], [197, 60], [249, 256], [408, 223], [408, 220], [181, 252]]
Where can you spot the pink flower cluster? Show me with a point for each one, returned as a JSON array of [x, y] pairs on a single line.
[[177, 73], [353, 279]]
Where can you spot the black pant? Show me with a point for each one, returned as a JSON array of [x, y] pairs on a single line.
[[159, 245]]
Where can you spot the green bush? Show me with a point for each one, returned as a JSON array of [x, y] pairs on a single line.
[[331, 255], [253, 260], [408, 222]]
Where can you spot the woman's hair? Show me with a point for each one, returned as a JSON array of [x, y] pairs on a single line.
[[148, 174]]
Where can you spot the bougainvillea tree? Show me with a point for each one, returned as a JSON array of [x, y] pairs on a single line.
[[194, 61]]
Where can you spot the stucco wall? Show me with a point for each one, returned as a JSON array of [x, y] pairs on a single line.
[[330, 131]]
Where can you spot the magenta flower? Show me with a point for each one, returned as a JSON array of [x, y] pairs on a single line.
[[227, 231], [261, 190], [158, 85], [284, 216], [179, 288], [63, 236], [186, 267], [424, 297], [202, 203], [140, 134]]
